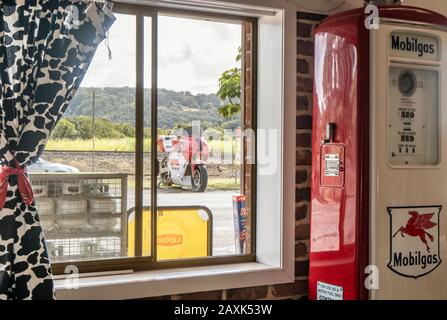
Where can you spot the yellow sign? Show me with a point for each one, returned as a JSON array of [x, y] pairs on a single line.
[[182, 234]]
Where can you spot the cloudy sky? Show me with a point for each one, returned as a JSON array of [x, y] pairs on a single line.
[[192, 54]]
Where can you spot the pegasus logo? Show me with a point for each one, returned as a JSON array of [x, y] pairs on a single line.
[[417, 225]]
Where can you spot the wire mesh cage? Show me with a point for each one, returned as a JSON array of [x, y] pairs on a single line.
[[83, 215]]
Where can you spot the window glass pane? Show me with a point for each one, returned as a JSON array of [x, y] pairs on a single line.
[[200, 171], [147, 157], [85, 180]]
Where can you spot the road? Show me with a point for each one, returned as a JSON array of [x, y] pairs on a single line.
[[220, 204]]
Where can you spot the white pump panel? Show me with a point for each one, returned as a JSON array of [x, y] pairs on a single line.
[[408, 160]]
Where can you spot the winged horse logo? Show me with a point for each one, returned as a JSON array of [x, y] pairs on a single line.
[[416, 227]]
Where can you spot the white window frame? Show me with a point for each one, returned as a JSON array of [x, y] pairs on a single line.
[[275, 224]]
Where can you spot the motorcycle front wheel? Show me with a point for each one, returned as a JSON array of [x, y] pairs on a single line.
[[199, 179]]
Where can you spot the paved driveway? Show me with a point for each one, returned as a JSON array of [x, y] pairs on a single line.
[[220, 204]]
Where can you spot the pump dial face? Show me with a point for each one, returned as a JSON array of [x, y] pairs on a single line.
[[407, 83]]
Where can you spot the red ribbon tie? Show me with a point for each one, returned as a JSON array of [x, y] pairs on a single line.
[[23, 184]]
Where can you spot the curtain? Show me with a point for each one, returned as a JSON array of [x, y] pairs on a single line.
[[44, 54]]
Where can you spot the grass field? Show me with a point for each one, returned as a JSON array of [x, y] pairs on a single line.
[[117, 145], [213, 184], [223, 184], [128, 145]]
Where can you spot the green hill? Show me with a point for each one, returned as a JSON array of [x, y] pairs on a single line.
[[117, 105]]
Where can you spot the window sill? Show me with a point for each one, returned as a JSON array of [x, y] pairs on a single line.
[[146, 284]]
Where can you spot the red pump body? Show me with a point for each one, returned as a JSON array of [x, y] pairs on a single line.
[[340, 233]]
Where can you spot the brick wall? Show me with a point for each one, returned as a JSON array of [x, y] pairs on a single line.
[[248, 169], [306, 24]]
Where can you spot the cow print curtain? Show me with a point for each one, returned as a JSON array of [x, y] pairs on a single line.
[[46, 47]]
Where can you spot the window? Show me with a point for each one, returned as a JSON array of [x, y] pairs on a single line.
[[154, 152]]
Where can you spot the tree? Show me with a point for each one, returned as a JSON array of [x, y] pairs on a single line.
[[105, 129], [65, 130], [84, 126], [126, 129], [230, 90]]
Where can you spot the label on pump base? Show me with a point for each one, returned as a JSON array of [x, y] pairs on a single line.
[[326, 291]]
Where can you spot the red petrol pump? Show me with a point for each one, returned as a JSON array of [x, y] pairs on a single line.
[[379, 168]]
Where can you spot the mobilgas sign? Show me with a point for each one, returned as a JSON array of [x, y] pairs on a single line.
[[414, 46], [414, 240]]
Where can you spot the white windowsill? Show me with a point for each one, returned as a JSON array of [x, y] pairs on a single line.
[[146, 284]]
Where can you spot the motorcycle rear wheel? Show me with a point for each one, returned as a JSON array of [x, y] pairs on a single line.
[[199, 179]]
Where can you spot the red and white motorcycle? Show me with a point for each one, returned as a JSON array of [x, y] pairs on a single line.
[[183, 161]]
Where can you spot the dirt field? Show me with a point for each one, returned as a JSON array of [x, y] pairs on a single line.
[[122, 162]]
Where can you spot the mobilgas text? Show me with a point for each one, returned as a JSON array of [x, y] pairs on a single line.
[[411, 45], [414, 259]]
